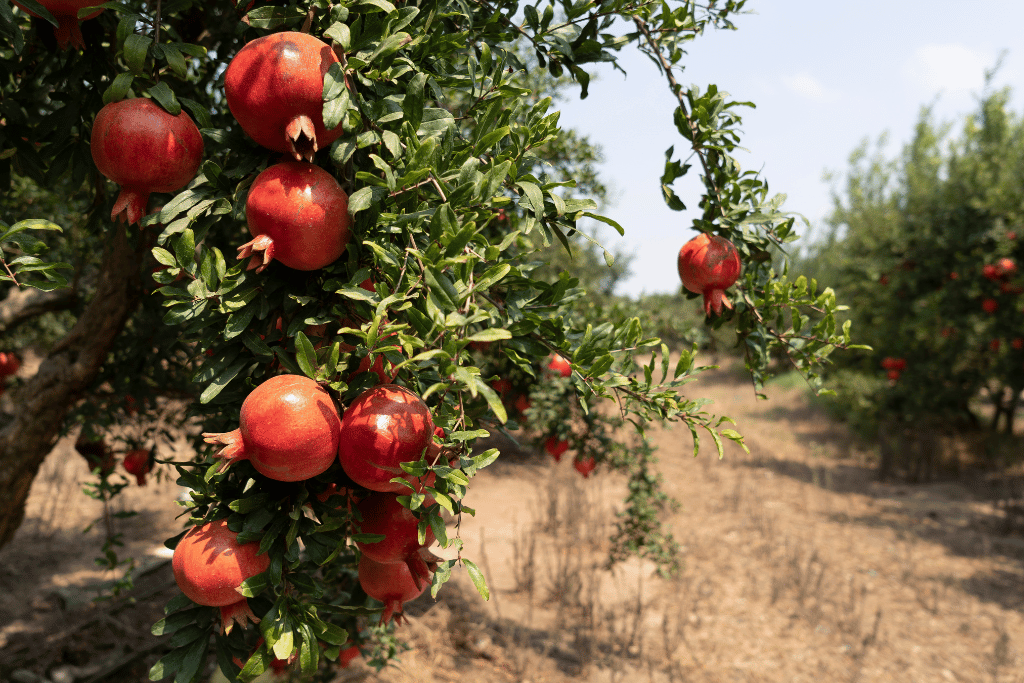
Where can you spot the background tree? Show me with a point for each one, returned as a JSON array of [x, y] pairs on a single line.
[[456, 177], [926, 248]]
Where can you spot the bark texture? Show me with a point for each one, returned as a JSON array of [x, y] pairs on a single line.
[[21, 305], [43, 402]]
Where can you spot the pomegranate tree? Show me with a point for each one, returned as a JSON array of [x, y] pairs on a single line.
[[67, 31], [297, 214], [274, 88], [382, 428], [209, 566], [709, 265], [288, 429]]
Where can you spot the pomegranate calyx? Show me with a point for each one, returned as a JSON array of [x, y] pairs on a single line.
[[236, 613], [393, 610], [301, 135], [234, 447], [252, 249], [130, 206], [714, 299]]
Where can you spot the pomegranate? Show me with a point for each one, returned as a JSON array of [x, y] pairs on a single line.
[[274, 88], [144, 149], [893, 375], [209, 565], [585, 465], [1006, 266], [708, 265], [559, 365], [1018, 343], [382, 428], [346, 656], [556, 447], [139, 463], [994, 345], [522, 403], [989, 305], [383, 514], [298, 214], [288, 429], [502, 386], [991, 271], [67, 31], [96, 454], [898, 364], [392, 584], [9, 364]]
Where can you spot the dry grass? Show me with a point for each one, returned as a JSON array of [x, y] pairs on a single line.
[[797, 567]]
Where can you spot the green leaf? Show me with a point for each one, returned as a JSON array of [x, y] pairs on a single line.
[[490, 335], [165, 98], [222, 380], [477, 577], [274, 17], [38, 10], [305, 355], [119, 88], [365, 198], [136, 48], [339, 32]]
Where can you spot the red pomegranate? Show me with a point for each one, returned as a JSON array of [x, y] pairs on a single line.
[[1006, 266], [383, 514], [346, 656], [560, 366], [991, 271], [556, 447], [67, 31], [893, 375], [288, 429], [382, 428], [994, 345], [209, 565], [139, 463], [9, 364], [96, 454], [392, 584], [1017, 343], [585, 465], [144, 149], [298, 214], [708, 265], [898, 364], [522, 403], [989, 305], [274, 88]]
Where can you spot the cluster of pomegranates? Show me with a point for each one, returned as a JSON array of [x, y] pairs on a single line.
[[893, 367], [709, 265], [289, 430], [296, 212]]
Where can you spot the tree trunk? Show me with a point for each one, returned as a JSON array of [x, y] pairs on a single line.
[[43, 402], [21, 305]]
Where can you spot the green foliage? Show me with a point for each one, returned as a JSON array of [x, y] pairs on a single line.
[[461, 184], [916, 248]]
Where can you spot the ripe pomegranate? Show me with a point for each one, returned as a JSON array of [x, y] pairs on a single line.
[[893, 375], [274, 88], [559, 365], [989, 305], [346, 656], [298, 214], [556, 447], [994, 345], [584, 465], [209, 565], [898, 364], [991, 271], [383, 427], [144, 149], [954, 275], [1018, 343], [9, 364], [288, 429], [708, 265], [392, 584], [96, 454], [139, 463], [67, 31], [383, 514], [501, 385], [1006, 266]]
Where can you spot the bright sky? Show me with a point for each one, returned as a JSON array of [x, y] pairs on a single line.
[[824, 75]]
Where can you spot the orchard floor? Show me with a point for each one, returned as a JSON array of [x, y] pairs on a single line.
[[797, 566]]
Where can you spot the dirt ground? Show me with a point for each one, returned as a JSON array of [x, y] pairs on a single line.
[[797, 566]]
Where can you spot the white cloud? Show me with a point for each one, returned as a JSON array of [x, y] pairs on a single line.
[[808, 86], [952, 69]]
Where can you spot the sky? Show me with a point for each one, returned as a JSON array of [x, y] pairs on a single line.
[[825, 76]]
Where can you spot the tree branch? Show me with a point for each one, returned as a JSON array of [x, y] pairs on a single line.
[[21, 305]]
